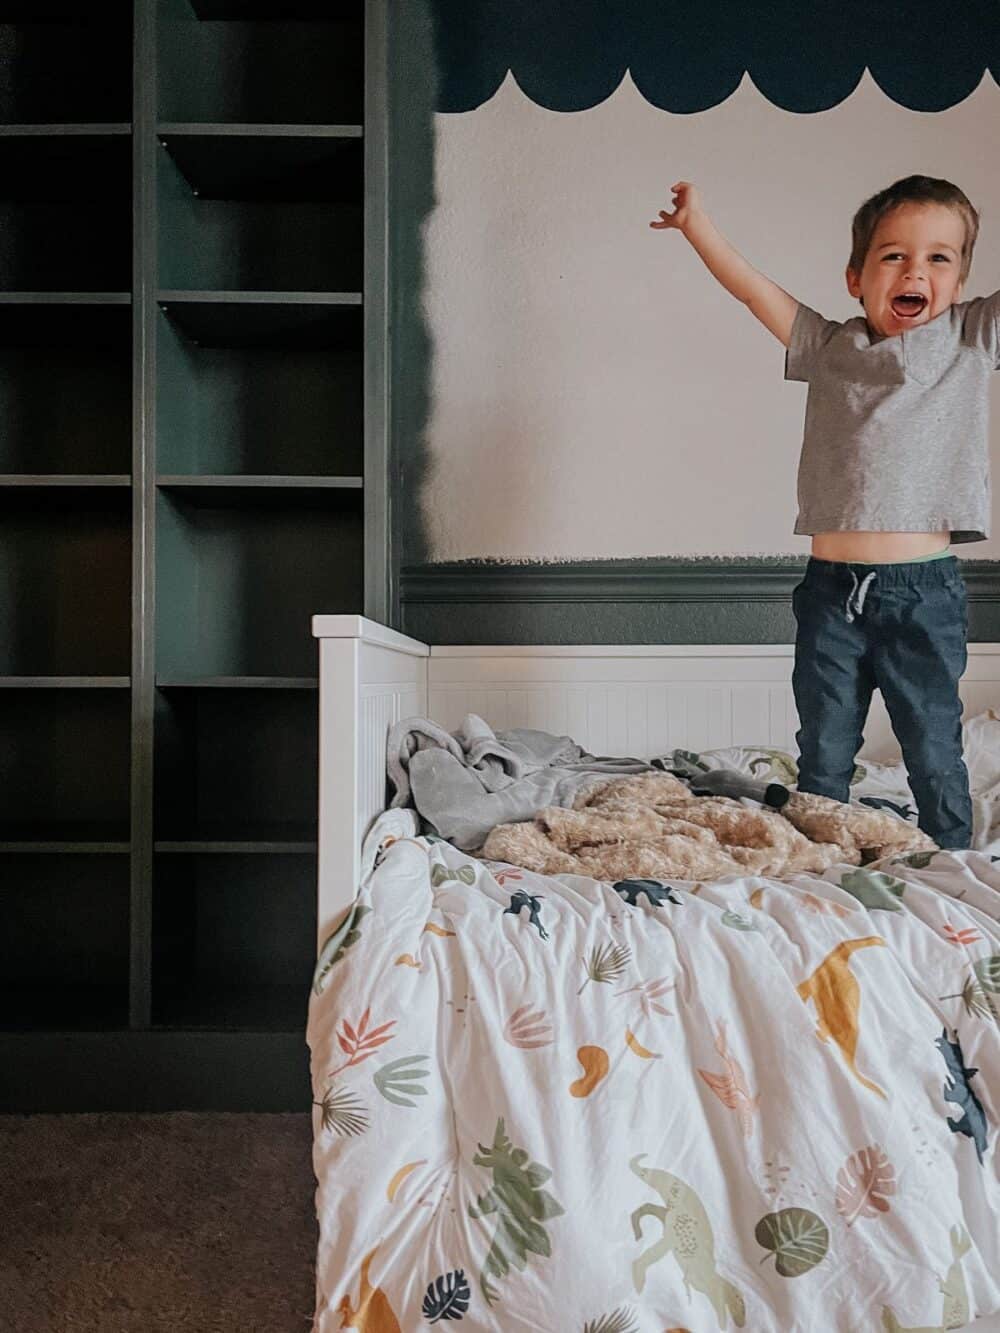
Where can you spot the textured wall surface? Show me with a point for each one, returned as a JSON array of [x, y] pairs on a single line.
[[593, 391]]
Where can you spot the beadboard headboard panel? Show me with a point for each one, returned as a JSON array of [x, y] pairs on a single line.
[[637, 699], [643, 700]]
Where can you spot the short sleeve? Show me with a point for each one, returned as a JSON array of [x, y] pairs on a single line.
[[810, 334], [981, 326]]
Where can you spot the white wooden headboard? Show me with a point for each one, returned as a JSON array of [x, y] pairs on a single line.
[[635, 699]]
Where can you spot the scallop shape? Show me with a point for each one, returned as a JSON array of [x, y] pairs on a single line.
[[693, 54]]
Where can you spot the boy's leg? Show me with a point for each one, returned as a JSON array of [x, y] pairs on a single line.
[[920, 657], [832, 680]]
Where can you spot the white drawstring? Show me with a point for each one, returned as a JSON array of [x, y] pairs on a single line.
[[859, 600]]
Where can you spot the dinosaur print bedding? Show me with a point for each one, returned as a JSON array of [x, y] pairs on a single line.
[[561, 1104]]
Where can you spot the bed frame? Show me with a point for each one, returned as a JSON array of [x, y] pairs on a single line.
[[636, 699]]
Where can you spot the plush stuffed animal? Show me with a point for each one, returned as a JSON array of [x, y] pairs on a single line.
[[724, 782]]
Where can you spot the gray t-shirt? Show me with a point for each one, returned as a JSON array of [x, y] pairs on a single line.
[[897, 431]]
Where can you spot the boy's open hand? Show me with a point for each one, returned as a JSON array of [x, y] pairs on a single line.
[[688, 203]]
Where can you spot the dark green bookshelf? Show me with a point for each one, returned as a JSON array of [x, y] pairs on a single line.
[[189, 280]]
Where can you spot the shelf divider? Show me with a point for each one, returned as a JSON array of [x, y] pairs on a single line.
[[144, 314], [72, 479], [65, 682], [237, 683]]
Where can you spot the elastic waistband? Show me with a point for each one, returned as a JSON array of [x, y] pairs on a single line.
[[900, 573], [934, 555]]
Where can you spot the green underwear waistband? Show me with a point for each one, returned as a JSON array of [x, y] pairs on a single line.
[[934, 555], [912, 560]]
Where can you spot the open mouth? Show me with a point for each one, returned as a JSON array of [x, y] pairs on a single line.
[[909, 306]]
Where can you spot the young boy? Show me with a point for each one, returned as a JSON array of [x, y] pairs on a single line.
[[894, 466]]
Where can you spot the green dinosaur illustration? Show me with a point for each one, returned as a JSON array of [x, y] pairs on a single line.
[[441, 874], [689, 761], [955, 1311], [346, 934], [892, 1325], [781, 767], [874, 890], [919, 860], [687, 1234], [521, 1207]]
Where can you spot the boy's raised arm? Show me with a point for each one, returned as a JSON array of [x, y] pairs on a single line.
[[771, 304]]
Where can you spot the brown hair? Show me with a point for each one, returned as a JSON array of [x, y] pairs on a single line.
[[912, 190]]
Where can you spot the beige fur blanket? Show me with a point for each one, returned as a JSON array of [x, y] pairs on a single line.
[[652, 826]]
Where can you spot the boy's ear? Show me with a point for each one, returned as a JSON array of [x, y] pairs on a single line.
[[853, 285]]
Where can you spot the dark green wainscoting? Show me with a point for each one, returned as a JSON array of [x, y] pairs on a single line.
[[631, 601]]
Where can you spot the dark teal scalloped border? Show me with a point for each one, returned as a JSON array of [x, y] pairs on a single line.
[[570, 55]]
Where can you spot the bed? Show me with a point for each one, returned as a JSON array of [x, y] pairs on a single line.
[[555, 1103]]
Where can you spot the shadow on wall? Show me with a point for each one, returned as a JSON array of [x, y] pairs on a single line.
[[413, 91]]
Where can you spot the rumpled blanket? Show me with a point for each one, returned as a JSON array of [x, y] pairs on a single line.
[[464, 784], [652, 826]]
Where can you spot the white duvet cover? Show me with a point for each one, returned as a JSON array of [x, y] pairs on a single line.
[[561, 1104]]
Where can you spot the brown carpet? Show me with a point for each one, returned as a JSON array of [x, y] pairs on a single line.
[[129, 1223]]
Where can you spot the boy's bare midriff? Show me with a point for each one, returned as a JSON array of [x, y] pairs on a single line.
[[877, 547]]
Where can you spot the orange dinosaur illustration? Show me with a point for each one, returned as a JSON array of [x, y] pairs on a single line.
[[834, 991], [374, 1313]]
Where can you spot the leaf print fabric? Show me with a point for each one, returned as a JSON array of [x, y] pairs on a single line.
[[447, 1297], [798, 1239], [731, 1087], [863, 1184], [752, 1103]]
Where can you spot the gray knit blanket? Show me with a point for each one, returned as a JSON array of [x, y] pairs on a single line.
[[463, 784]]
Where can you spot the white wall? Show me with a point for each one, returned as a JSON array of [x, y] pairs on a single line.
[[595, 392]]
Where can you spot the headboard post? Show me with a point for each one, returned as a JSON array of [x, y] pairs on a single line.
[[369, 678]]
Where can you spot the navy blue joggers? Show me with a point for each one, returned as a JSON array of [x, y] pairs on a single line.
[[901, 628]]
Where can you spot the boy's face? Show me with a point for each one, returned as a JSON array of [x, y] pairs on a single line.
[[916, 249]]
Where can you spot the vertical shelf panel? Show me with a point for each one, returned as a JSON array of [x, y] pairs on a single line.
[[145, 76], [380, 556]]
